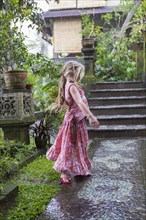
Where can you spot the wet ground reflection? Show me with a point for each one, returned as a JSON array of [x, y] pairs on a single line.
[[114, 192]]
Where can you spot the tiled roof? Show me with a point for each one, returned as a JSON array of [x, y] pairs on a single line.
[[76, 12]]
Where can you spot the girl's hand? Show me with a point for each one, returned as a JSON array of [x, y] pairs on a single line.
[[93, 122]]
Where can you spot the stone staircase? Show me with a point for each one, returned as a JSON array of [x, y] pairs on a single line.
[[120, 108]]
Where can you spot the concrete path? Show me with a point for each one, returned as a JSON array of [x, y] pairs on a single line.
[[116, 191]]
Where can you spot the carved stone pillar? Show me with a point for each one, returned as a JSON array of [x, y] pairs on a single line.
[[16, 114], [89, 58]]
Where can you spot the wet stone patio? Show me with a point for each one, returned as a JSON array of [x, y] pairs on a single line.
[[116, 190]]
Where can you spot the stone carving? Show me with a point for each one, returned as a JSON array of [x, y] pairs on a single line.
[[16, 105], [27, 103], [7, 107]]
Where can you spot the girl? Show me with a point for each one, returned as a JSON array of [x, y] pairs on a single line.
[[69, 149]]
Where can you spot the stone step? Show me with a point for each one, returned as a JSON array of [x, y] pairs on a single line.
[[118, 109], [117, 92], [120, 131], [122, 119], [117, 85], [117, 100]]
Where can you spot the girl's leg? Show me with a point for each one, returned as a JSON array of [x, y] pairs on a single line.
[[65, 178]]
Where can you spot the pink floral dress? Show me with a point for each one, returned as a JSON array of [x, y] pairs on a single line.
[[69, 149]]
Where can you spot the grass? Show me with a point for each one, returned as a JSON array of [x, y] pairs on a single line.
[[38, 183]]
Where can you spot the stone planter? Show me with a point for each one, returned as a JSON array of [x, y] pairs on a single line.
[[15, 79], [88, 43]]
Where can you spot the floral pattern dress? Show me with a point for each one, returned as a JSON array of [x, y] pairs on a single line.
[[69, 149]]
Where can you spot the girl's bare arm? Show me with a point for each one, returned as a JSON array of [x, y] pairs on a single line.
[[77, 98]]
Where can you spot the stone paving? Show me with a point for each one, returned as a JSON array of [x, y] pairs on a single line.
[[116, 191]]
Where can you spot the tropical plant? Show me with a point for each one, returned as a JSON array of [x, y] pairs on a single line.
[[42, 131], [14, 53], [114, 59], [118, 66], [45, 74]]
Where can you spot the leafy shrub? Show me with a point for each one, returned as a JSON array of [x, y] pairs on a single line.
[[89, 29], [11, 154], [7, 166], [114, 60], [45, 74], [112, 66]]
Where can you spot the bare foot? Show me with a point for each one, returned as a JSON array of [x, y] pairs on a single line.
[[65, 177]]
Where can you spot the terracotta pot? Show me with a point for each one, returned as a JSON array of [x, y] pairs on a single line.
[[88, 43], [29, 86], [15, 79]]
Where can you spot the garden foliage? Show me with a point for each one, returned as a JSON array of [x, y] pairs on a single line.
[[12, 153], [115, 60]]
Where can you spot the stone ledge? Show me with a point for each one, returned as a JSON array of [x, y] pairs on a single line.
[[31, 157], [8, 193], [27, 160]]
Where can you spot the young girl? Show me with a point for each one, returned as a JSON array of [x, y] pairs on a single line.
[[69, 149]]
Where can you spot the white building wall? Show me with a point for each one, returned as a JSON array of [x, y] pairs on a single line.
[[113, 2], [34, 40]]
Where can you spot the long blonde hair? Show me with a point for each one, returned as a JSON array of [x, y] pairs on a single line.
[[75, 71]]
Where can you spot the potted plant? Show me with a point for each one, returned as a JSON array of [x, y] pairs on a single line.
[[14, 53], [89, 31], [42, 131]]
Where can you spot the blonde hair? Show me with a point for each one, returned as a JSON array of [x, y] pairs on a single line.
[[71, 69]]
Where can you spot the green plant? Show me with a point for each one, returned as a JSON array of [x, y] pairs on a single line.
[[118, 66], [12, 153], [13, 148], [8, 166], [31, 78], [41, 131], [44, 74], [115, 61], [1, 135], [89, 29], [14, 53]]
